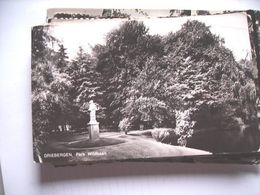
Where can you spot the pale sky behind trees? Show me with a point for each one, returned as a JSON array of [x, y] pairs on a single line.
[[232, 27]]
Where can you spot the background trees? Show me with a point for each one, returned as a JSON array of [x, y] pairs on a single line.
[[50, 85], [49, 81], [87, 86], [187, 81], [121, 59], [193, 84]]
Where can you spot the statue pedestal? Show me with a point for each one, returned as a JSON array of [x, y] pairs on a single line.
[[93, 130]]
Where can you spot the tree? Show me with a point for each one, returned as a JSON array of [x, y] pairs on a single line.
[[145, 102], [197, 85], [41, 37], [209, 82], [50, 85], [87, 86], [50, 96], [62, 59], [121, 59]]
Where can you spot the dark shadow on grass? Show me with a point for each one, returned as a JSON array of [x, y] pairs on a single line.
[[85, 144]]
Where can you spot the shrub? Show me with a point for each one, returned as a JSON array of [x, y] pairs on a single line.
[[165, 135], [124, 124], [184, 126]]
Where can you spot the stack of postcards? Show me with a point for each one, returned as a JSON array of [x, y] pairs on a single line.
[[146, 85]]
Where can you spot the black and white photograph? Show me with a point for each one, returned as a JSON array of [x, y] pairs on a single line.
[[119, 88]]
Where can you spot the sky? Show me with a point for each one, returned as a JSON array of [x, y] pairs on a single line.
[[232, 27]]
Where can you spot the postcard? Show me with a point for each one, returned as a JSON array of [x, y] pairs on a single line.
[[110, 87]]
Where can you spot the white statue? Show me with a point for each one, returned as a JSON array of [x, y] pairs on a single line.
[[92, 108], [93, 125]]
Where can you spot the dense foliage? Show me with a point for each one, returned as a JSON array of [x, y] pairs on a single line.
[[186, 81]]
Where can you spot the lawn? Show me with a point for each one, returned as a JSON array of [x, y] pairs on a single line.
[[113, 146]]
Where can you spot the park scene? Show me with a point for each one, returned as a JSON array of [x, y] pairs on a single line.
[[117, 89]]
